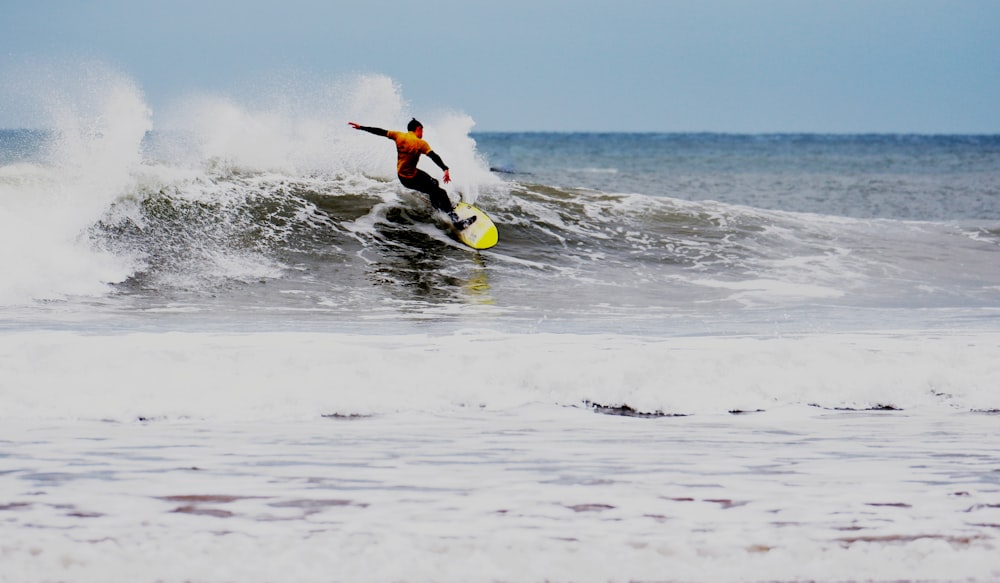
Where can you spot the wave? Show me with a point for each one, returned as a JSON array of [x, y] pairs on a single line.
[[223, 194], [100, 197], [199, 229], [325, 240]]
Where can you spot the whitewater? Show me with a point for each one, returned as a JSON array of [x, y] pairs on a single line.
[[234, 348]]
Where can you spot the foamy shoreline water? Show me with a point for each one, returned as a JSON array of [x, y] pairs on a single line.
[[324, 457], [525, 494], [290, 375]]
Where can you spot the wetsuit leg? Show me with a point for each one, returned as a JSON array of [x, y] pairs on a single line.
[[423, 182], [439, 198]]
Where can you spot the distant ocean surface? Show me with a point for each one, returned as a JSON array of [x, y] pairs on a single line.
[[234, 348]]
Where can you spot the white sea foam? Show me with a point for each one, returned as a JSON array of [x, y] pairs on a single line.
[[57, 375], [47, 207], [301, 128]]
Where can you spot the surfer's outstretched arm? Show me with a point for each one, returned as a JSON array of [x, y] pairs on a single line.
[[370, 130]]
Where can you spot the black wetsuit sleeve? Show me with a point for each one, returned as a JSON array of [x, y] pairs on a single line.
[[376, 131], [437, 160]]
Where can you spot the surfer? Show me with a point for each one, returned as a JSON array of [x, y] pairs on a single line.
[[409, 146]]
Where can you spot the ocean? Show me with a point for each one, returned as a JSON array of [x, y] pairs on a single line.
[[235, 348]]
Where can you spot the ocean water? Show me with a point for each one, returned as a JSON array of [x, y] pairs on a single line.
[[234, 348]]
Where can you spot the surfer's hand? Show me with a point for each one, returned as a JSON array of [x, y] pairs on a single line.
[[447, 176], [356, 126]]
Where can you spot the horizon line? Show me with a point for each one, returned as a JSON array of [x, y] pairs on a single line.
[[673, 132]]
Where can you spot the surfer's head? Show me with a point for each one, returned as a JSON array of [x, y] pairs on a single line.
[[413, 125]]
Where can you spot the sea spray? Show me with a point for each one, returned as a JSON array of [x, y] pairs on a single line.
[[299, 126], [47, 206]]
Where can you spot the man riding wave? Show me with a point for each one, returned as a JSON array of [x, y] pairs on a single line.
[[409, 146]]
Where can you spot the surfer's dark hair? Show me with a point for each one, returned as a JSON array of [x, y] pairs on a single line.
[[413, 125]]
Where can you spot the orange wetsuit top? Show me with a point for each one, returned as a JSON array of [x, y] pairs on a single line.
[[408, 150]]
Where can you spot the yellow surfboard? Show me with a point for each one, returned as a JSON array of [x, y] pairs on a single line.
[[481, 234]]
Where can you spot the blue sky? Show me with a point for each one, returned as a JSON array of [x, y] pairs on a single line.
[[923, 66]]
